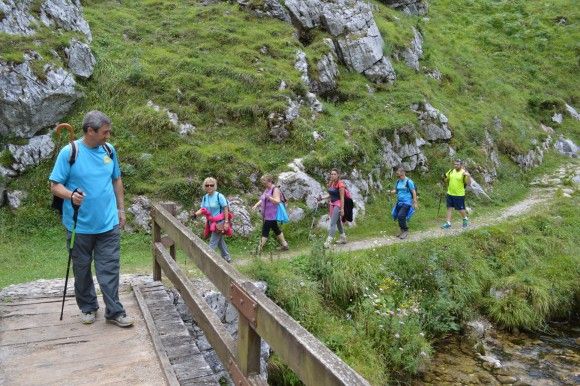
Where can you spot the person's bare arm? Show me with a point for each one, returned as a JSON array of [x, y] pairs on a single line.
[[120, 197]]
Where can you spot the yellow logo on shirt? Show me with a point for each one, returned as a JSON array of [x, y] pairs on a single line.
[[107, 160]]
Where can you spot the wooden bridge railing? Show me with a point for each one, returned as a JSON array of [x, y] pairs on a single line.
[[259, 317]]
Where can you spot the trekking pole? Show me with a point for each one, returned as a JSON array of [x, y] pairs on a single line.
[[313, 219], [71, 245]]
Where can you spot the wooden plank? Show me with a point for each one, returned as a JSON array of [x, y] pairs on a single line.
[[206, 319], [168, 372]]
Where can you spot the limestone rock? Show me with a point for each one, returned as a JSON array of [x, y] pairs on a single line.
[[566, 147], [66, 14], [572, 111], [184, 128], [81, 60], [410, 7], [26, 156], [15, 198], [242, 221], [140, 208], [3, 192], [295, 214], [27, 103], [355, 35], [278, 123], [298, 185], [302, 66], [557, 118], [327, 73], [270, 8], [533, 157], [433, 123], [414, 51]]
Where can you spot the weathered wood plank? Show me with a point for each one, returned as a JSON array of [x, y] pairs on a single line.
[[168, 372]]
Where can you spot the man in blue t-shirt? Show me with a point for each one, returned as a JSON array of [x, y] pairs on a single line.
[[92, 181], [406, 199]]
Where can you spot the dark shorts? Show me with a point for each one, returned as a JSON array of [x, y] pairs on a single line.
[[457, 202], [270, 224]]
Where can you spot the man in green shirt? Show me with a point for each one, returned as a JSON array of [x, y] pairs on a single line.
[[457, 179]]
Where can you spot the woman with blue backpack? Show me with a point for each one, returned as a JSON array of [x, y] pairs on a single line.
[[406, 201], [269, 204]]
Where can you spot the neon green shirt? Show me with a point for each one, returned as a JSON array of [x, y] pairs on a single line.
[[456, 183]]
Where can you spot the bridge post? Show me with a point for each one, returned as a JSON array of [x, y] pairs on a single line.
[[249, 347], [156, 235], [171, 207]]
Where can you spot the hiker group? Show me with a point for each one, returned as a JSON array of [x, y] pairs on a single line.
[[88, 190]]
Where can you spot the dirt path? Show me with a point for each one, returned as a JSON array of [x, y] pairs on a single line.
[[543, 190]]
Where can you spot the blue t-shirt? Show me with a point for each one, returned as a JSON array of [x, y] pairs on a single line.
[[93, 173], [404, 194], [214, 203]]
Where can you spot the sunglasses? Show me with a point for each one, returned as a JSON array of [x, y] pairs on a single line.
[[209, 185]]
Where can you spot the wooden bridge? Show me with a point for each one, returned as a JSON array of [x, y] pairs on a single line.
[[35, 348]]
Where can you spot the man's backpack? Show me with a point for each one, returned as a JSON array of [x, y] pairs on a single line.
[[58, 202]]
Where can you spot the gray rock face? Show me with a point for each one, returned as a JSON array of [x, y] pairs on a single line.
[[566, 147], [356, 37], [28, 104], [271, 8], [29, 155], [15, 198], [533, 157], [242, 221], [403, 152], [278, 123], [433, 123], [327, 73], [414, 52], [410, 7], [31, 101], [302, 66], [490, 149], [298, 185], [140, 208], [572, 111], [80, 59], [476, 189], [295, 214]]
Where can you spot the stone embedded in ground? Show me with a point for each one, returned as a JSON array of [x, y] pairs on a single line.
[[566, 147], [27, 156], [81, 60]]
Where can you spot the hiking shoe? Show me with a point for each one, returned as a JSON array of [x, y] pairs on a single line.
[[446, 226], [88, 317], [121, 320], [328, 242], [342, 239], [228, 259], [465, 223], [283, 247], [404, 235]]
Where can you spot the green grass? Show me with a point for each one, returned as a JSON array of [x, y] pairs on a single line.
[[397, 301]]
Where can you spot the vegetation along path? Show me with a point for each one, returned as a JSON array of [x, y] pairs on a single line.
[[544, 189]]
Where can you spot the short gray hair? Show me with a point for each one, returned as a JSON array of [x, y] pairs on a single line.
[[95, 120]]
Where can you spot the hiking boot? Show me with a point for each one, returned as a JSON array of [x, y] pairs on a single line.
[[228, 259], [88, 317], [465, 223], [342, 239], [328, 242], [404, 235], [446, 226], [121, 320], [283, 247]]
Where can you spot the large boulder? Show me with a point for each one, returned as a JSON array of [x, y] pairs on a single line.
[[242, 222], [31, 154], [27, 103], [356, 37], [31, 100]]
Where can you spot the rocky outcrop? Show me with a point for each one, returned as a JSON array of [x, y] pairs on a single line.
[[566, 147], [184, 128], [432, 122], [279, 123], [326, 81], [572, 111], [31, 100], [533, 157], [355, 35], [242, 221], [297, 185], [410, 7], [413, 52], [28, 104], [270, 8], [81, 61], [15, 198], [490, 148], [403, 150], [29, 155], [140, 208]]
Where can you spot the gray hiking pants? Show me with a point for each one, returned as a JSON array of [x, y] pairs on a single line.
[[218, 240], [335, 222], [104, 249]]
